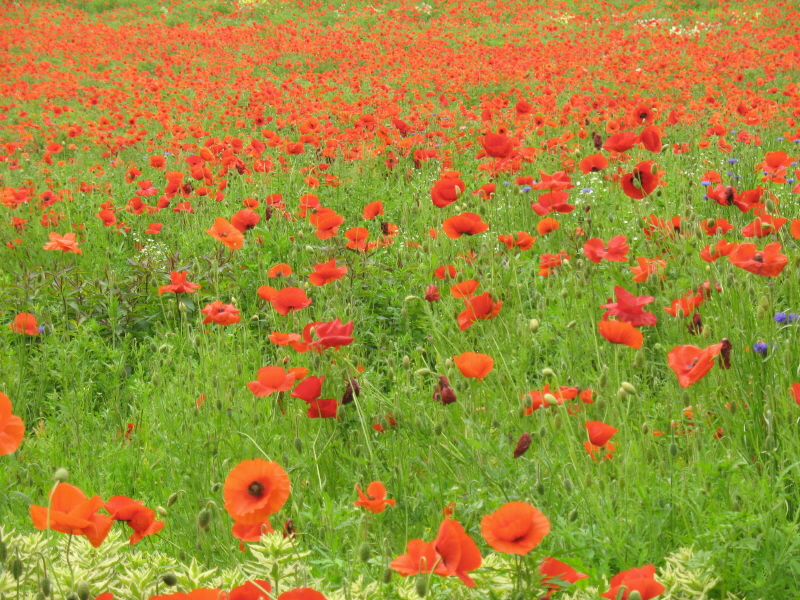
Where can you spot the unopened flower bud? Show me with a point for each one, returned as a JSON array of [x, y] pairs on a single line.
[[628, 387], [364, 552], [622, 394], [204, 518], [635, 595], [540, 488], [573, 515], [162, 512], [406, 362], [83, 590], [550, 400], [61, 475], [215, 487], [16, 568], [386, 576], [172, 499], [673, 449], [542, 431], [533, 325], [571, 324], [568, 485], [645, 428], [423, 371], [523, 444], [548, 372], [169, 579], [298, 445], [638, 360], [46, 586], [422, 583]]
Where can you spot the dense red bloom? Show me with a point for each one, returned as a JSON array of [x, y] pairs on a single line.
[[593, 163], [221, 314], [464, 289], [279, 270], [443, 392], [473, 364], [301, 594], [245, 220], [446, 191], [373, 209], [552, 201], [497, 145], [794, 390], [25, 323], [324, 273], [375, 499], [286, 300], [65, 243], [554, 571], [464, 224], [763, 226], [621, 142], [226, 233], [549, 262], [179, 284], [645, 267], [714, 226], [641, 181], [478, 307], [524, 240], [616, 250], [515, 528], [138, 517], [71, 512], [721, 248], [630, 308], [432, 293], [12, 429], [641, 580], [251, 590], [621, 332], [255, 489], [767, 263], [556, 182], [548, 225], [327, 223], [691, 363], [274, 379], [687, 305]]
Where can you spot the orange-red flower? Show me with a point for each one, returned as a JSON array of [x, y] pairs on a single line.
[[71, 512], [286, 300], [25, 323], [552, 201], [221, 314], [324, 273], [138, 517], [691, 363], [375, 499], [251, 590], [464, 289], [279, 270], [447, 190], [357, 238], [327, 223], [478, 307], [616, 250], [515, 528], [593, 163], [254, 490], [226, 233], [373, 209], [274, 379], [65, 243], [547, 225], [641, 580], [647, 267], [768, 262], [464, 224], [179, 284], [554, 572], [524, 240], [621, 332], [474, 364], [301, 594], [630, 308], [12, 429], [245, 220], [640, 182]]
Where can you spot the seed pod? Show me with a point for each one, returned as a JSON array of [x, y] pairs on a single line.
[[523, 444], [364, 552], [83, 591], [571, 324], [204, 518]]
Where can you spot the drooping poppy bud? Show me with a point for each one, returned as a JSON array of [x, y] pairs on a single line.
[[522, 445]]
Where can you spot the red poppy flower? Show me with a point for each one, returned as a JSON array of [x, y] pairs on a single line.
[[254, 490], [556, 182], [473, 364], [138, 517], [65, 243], [357, 238], [179, 284], [650, 138], [767, 263], [538, 400], [621, 332], [691, 363], [250, 532], [498, 145], [794, 390], [153, 229], [616, 250], [25, 323], [279, 270], [515, 528], [464, 289], [272, 379], [464, 224], [251, 590], [721, 248], [640, 182], [332, 334], [245, 220], [221, 314], [547, 225], [301, 594], [286, 300], [446, 191], [226, 233], [443, 392], [555, 572], [12, 429], [647, 267], [373, 209], [375, 499], [630, 308], [714, 226], [478, 307], [641, 580], [198, 594], [327, 223], [552, 201], [71, 512], [524, 240], [687, 305], [593, 163], [324, 273], [444, 271], [763, 226], [621, 142], [486, 191]]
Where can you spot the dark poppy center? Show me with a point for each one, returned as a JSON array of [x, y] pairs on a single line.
[[643, 115], [595, 169], [256, 489], [758, 257]]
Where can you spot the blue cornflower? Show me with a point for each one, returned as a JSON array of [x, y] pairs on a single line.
[[586, 191], [525, 188], [733, 161], [760, 348], [705, 183]]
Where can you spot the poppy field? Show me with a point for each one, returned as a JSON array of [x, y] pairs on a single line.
[[492, 299]]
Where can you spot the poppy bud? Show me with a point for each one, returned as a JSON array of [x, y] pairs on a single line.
[[550, 400], [386, 576], [437, 430], [533, 325], [172, 499], [542, 431], [733, 408], [61, 475], [46, 586], [3, 554], [16, 568], [635, 595], [432, 293], [628, 387], [523, 444], [638, 360], [622, 394], [169, 579], [706, 331], [564, 293], [725, 353], [573, 515], [557, 422], [540, 488], [364, 552], [215, 487], [645, 428], [548, 372], [673, 449], [448, 363], [204, 518], [423, 371], [298, 445], [603, 381], [161, 511], [736, 503], [769, 443], [406, 362], [571, 324], [83, 591], [761, 313], [568, 485], [410, 298], [72, 596], [422, 583]]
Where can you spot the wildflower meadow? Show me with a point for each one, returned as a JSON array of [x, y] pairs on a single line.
[[489, 299]]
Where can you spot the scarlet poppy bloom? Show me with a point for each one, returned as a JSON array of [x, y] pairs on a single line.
[[478, 307], [538, 401], [640, 182], [25, 323], [226, 233], [458, 552], [221, 314], [254, 490], [446, 191], [357, 237], [593, 163], [373, 209], [332, 334], [547, 225], [554, 571], [794, 390], [12, 429], [645, 267], [473, 364], [324, 273], [432, 293], [630, 308], [763, 226], [621, 142], [444, 271], [301, 594], [272, 379], [421, 557], [650, 138], [245, 220], [464, 289], [486, 191], [515, 528], [691, 363], [327, 223], [687, 305], [251, 590], [641, 580], [552, 201], [179, 284], [443, 393], [524, 240], [721, 248], [767, 263], [464, 224], [375, 499], [65, 243], [599, 433], [250, 532], [286, 300], [198, 594], [72, 513], [138, 517], [498, 145], [621, 332], [556, 182], [794, 229], [154, 229], [279, 270], [616, 250]]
